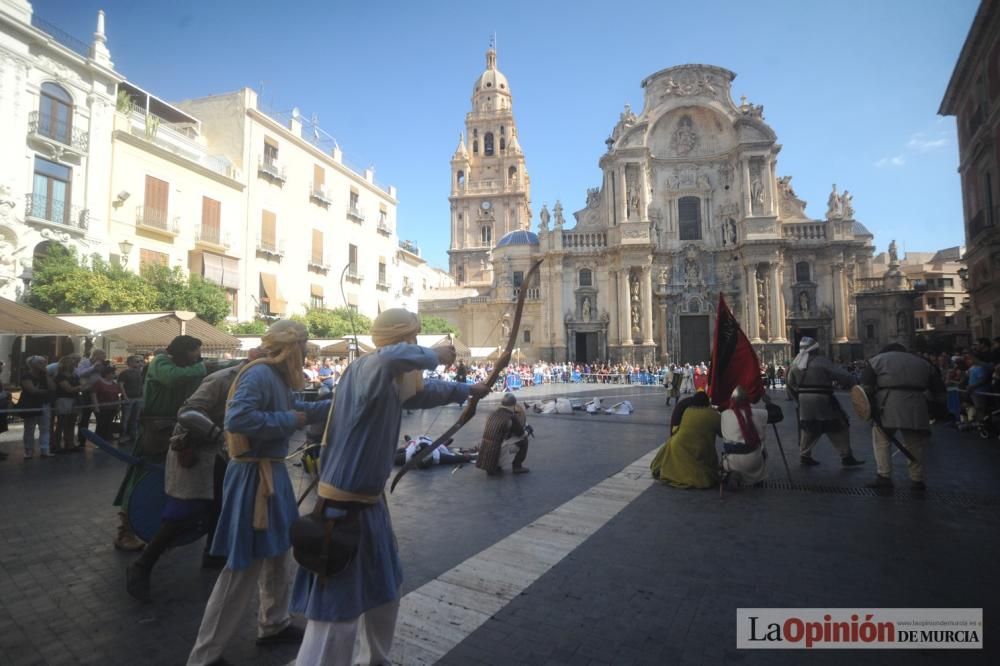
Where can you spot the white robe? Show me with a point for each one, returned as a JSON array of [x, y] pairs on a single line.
[[745, 468]]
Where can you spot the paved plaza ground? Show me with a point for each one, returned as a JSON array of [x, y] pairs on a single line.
[[657, 582]]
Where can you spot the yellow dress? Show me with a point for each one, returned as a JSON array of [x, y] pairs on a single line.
[[688, 459]]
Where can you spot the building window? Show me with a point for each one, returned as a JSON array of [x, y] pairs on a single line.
[[211, 223], [270, 153], [268, 231], [55, 113], [352, 260], [689, 215], [488, 144], [486, 235], [586, 278], [475, 146], [503, 143], [949, 302], [932, 320], [460, 179], [155, 203], [512, 175], [460, 274], [232, 297], [527, 337], [947, 282], [149, 258], [50, 194], [354, 201], [870, 331], [518, 279], [931, 303], [381, 273], [802, 271], [316, 302], [502, 130], [949, 321], [317, 247], [988, 198]]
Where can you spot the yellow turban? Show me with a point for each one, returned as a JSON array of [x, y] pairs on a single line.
[[394, 326]]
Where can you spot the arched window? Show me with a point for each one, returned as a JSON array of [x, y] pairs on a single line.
[[586, 278], [55, 113], [512, 174], [486, 234], [460, 179], [689, 215], [802, 271], [503, 143], [488, 144], [501, 130], [475, 146]]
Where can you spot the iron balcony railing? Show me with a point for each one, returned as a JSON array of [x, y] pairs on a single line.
[[272, 169], [46, 126], [317, 264], [384, 228], [212, 235], [320, 195], [410, 247], [356, 213], [353, 274], [275, 248], [382, 283], [156, 218], [56, 211]]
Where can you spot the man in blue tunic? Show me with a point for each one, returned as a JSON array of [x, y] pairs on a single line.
[[356, 464], [258, 503]]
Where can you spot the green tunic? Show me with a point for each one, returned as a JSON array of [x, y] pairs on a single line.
[[168, 385], [688, 459]]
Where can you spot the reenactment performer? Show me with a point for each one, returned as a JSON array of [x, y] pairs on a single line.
[[744, 430], [505, 430], [810, 384], [170, 379], [898, 385], [355, 466], [195, 469], [258, 503]]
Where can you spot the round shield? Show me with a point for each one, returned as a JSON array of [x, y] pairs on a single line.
[[145, 509], [862, 406]]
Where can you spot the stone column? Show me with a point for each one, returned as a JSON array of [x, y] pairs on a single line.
[[622, 195], [747, 201], [773, 186], [624, 313], [663, 330], [643, 193], [646, 291], [777, 304], [839, 303], [753, 316], [557, 323]]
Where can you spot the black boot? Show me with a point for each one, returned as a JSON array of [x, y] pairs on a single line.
[[138, 573], [137, 581], [808, 461], [850, 461]]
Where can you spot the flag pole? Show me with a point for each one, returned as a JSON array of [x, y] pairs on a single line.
[[777, 438]]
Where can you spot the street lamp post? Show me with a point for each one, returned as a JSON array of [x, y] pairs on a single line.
[[126, 249]]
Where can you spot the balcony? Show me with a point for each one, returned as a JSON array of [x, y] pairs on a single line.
[[585, 240], [804, 232], [353, 275], [318, 194], [317, 265], [356, 214], [271, 170], [60, 135], [382, 283], [407, 287], [156, 220], [270, 249], [384, 228], [54, 213], [534, 293], [410, 247], [212, 237]]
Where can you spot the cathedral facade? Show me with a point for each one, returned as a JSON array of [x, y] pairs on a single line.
[[690, 206]]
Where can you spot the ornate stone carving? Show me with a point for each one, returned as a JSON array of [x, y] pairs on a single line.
[[726, 174], [593, 197], [729, 236], [558, 210], [692, 268], [685, 138], [847, 205], [834, 211], [585, 308], [636, 304], [785, 187], [754, 111], [893, 253], [762, 302], [690, 83], [543, 219]]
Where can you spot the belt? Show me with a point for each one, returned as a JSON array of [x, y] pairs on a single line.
[[265, 488], [331, 492]]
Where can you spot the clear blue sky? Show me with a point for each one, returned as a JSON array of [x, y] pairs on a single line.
[[851, 87]]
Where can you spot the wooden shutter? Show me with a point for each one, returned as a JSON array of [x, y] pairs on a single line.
[[316, 290], [319, 177], [317, 247], [268, 230], [155, 202], [211, 214], [151, 257]]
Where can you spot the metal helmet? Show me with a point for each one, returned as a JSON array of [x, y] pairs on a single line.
[[739, 396]]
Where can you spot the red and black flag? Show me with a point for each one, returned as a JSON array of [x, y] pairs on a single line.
[[734, 362]]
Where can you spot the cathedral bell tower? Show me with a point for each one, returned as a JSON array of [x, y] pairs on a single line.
[[490, 188]]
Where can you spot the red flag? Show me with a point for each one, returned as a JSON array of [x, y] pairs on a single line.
[[734, 362]]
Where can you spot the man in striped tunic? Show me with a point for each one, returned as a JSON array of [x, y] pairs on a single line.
[[505, 429]]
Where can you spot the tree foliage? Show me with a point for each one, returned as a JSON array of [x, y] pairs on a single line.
[[430, 325], [64, 282], [255, 327], [334, 323]]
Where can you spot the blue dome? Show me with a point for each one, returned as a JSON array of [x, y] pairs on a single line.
[[861, 230], [519, 237]]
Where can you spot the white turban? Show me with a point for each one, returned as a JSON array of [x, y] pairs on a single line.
[[806, 345]]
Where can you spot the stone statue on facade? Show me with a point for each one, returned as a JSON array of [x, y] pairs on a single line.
[[726, 174], [893, 253], [900, 323], [664, 275], [627, 117], [762, 305], [586, 308], [543, 218], [804, 302], [692, 272], [785, 187], [847, 205], [558, 210], [633, 201], [757, 195], [593, 196], [833, 205], [685, 138]]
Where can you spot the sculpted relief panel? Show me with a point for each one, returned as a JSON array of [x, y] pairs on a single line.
[[691, 132]]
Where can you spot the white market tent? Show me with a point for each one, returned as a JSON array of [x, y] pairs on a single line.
[[146, 331]]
